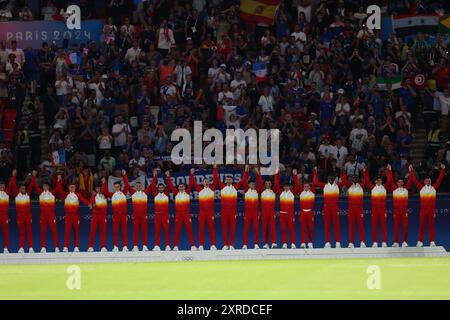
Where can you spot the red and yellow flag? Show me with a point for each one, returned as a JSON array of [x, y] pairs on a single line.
[[259, 11]]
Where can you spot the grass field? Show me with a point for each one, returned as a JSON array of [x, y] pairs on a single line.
[[405, 278]]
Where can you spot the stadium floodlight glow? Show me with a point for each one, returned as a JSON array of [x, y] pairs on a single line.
[[262, 145]]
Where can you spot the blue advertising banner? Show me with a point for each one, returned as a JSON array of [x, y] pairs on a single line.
[[442, 225], [34, 33]]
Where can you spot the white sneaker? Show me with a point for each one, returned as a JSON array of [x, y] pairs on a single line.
[[327, 245], [225, 248], [156, 248], [213, 248], [274, 246], [310, 245], [5, 251], [144, 248], [266, 246], [91, 249], [231, 248], [384, 245], [432, 244], [57, 250], [404, 244], [395, 245], [256, 247], [362, 244], [200, 248], [43, 250], [303, 246], [125, 249], [168, 248], [338, 245], [193, 248], [351, 245], [31, 250], [175, 248], [375, 245], [65, 249], [284, 246], [21, 250], [419, 244], [293, 246], [244, 247], [76, 249], [135, 249], [115, 249], [104, 250]]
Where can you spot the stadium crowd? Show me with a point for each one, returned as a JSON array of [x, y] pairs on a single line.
[[112, 105]]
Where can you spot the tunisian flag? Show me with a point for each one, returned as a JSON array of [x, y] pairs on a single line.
[[259, 11]]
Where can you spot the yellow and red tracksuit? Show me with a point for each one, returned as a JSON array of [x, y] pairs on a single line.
[[268, 214], [161, 215], [400, 205], [206, 212], [228, 201], [72, 207], [251, 214], [307, 199], [120, 218], [4, 209], [182, 211], [427, 204], [23, 208], [99, 216], [139, 200], [47, 204], [355, 211], [331, 205], [378, 202]]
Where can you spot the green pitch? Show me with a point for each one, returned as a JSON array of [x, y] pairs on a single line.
[[406, 278]]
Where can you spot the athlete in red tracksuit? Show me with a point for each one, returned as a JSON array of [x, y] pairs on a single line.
[[72, 201], [400, 204], [120, 217], [139, 199], [23, 208], [378, 202], [4, 219], [99, 204], [228, 201], [307, 199], [47, 217], [251, 212], [355, 210], [268, 213], [161, 201], [287, 210], [206, 212], [427, 204], [331, 191], [182, 210]]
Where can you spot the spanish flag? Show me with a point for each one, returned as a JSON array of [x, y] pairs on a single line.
[[259, 11]]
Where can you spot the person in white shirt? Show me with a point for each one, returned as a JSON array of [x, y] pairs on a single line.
[[63, 86], [353, 168], [166, 38], [120, 131], [266, 101], [17, 52], [339, 153], [298, 35], [225, 95], [182, 70], [134, 52], [358, 136]]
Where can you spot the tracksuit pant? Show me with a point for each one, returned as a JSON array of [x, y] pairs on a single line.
[[4, 225], [206, 217], [268, 225], [307, 225], [379, 217], [162, 221], [120, 222], [427, 215], [401, 218], [331, 214], [228, 218], [251, 219], [140, 221], [72, 222], [183, 218], [98, 222], [287, 222], [356, 216], [24, 224], [48, 220]]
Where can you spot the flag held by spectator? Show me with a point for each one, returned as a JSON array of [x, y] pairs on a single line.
[[395, 81], [405, 25], [260, 71], [444, 25], [259, 11]]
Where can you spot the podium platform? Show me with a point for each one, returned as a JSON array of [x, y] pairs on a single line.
[[219, 255]]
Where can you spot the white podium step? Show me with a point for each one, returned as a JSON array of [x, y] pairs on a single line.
[[219, 255]]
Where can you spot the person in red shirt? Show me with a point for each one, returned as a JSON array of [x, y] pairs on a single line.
[[307, 199], [206, 199], [331, 191], [228, 200], [182, 209], [4, 208], [287, 210], [120, 217], [72, 200], [139, 199], [427, 203], [99, 204], [251, 212], [47, 201], [161, 200]]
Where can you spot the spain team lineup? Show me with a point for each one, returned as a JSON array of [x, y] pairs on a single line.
[[260, 198]]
